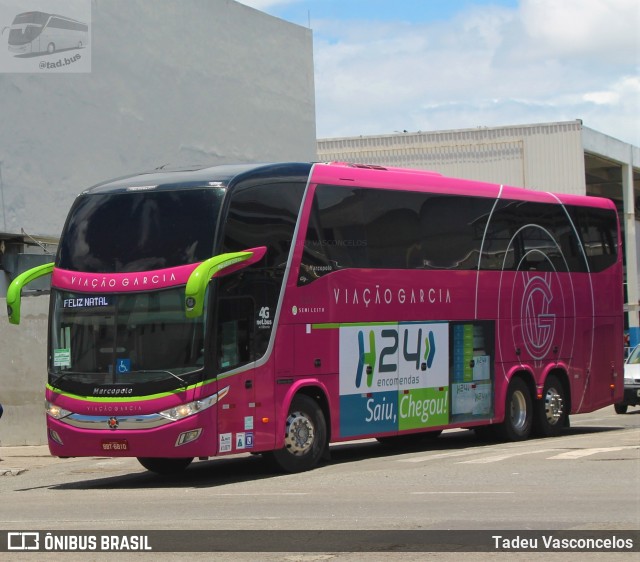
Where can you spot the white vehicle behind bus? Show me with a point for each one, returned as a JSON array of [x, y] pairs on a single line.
[[631, 382], [40, 32]]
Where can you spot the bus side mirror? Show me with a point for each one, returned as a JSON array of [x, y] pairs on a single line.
[[14, 292], [217, 266]]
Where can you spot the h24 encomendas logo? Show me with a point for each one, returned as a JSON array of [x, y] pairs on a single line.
[[422, 353]]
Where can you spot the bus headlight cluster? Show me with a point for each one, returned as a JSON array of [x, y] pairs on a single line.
[[56, 412], [186, 410]]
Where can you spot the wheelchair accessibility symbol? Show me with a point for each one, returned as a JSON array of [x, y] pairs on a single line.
[[123, 365]]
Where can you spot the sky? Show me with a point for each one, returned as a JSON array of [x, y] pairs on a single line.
[[383, 66]]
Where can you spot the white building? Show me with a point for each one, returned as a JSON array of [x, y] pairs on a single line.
[[561, 157]]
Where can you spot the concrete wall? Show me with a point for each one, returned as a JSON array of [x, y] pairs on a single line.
[[189, 82], [195, 81], [23, 373]]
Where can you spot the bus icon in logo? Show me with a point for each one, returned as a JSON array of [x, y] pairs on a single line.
[[41, 33]]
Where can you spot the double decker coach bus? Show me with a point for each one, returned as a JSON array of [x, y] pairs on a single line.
[[278, 308], [40, 32]]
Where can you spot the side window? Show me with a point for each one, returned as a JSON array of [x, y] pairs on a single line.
[[235, 333], [260, 215], [335, 238], [529, 236], [543, 226], [451, 231], [351, 227], [498, 251], [264, 215], [599, 232]]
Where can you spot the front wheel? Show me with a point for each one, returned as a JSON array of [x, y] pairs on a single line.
[[305, 437], [165, 466], [551, 411], [518, 416]]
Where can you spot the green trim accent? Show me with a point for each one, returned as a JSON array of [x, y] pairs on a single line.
[[14, 292], [124, 399], [201, 275], [334, 325]]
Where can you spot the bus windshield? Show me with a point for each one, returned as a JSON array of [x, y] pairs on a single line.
[[137, 336], [26, 27], [133, 338], [140, 230]]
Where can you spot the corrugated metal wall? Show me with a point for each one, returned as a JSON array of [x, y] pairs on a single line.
[[547, 157]]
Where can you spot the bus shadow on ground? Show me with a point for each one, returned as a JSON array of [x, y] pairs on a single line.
[[219, 472]]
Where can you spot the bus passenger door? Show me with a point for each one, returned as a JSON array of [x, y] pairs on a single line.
[[235, 353]]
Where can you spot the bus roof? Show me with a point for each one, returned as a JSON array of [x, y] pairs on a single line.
[[201, 176], [341, 173], [42, 16]]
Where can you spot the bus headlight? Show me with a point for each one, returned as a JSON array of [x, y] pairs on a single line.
[[55, 412], [186, 410]]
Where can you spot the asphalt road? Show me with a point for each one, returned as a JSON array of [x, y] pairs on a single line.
[[587, 479]]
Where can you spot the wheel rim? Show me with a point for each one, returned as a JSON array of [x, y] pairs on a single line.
[[518, 411], [553, 406], [300, 434]]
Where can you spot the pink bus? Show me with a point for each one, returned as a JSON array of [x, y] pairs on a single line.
[[278, 308]]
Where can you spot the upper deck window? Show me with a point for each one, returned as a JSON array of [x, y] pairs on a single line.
[[360, 228]]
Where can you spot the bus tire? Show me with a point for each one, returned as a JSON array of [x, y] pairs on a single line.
[[518, 414], [305, 437], [620, 408], [51, 48], [551, 410], [165, 466]]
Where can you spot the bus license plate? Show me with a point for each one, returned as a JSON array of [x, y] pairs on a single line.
[[115, 445]]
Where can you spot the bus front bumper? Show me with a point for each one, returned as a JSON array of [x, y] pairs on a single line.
[[115, 437]]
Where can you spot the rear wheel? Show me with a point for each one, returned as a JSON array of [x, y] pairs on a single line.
[[305, 437], [551, 411], [165, 466], [518, 416]]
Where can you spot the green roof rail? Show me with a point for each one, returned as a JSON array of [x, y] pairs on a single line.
[[14, 292]]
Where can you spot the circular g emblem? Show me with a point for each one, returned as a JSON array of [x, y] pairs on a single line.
[[538, 323]]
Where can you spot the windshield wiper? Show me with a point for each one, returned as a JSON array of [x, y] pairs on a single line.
[[62, 375], [149, 371]]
